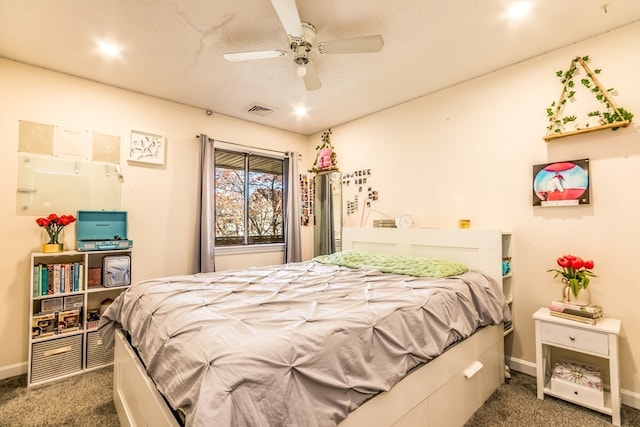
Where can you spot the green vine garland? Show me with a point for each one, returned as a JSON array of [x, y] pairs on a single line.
[[611, 115]]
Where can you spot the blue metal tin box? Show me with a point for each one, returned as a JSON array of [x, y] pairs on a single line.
[[102, 231]]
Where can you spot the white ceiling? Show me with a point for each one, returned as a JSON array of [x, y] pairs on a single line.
[[173, 49]]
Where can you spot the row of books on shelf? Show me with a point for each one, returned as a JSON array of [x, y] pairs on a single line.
[[589, 314], [53, 279]]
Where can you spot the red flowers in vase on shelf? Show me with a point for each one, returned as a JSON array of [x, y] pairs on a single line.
[[53, 224], [575, 272]]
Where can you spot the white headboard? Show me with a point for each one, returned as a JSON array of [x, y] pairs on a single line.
[[478, 249]]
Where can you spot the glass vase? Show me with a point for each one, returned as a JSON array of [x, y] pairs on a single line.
[[48, 246], [583, 297]]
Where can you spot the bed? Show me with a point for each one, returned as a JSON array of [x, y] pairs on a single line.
[[429, 381]]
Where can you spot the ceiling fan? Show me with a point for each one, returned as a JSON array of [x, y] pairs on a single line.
[[302, 40]]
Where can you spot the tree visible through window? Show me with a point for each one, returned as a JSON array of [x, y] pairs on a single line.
[[249, 199]]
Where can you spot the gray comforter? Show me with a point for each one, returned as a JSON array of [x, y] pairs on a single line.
[[300, 344]]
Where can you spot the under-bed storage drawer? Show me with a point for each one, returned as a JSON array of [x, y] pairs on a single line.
[[468, 388], [97, 355], [56, 358], [572, 337]]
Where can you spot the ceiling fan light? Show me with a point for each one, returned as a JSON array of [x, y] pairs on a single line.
[[301, 70]]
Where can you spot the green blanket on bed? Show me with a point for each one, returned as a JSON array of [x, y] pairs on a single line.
[[397, 264]]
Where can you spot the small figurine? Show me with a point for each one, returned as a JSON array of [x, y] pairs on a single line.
[[324, 158]]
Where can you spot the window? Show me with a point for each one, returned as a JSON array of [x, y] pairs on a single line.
[[249, 205]]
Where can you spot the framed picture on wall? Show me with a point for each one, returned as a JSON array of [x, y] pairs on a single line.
[[561, 183], [146, 148]]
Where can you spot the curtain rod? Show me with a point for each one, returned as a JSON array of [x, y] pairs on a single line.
[[247, 146]]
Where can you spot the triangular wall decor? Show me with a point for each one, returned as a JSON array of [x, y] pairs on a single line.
[[613, 118], [326, 158]]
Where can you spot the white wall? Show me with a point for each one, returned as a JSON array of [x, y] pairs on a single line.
[[468, 151], [160, 200]]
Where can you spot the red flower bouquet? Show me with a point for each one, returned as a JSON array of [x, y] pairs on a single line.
[[54, 224], [575, 272]]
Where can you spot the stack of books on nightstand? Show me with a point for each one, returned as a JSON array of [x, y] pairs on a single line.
[[585, 314]]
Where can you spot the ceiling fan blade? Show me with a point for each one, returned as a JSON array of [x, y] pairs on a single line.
[[364, 44], [311, 79], [259, 54], [289, 17]]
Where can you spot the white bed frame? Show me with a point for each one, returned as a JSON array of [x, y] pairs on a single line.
[[444, 392]]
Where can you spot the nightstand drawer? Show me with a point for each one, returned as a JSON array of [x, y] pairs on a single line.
[[572, 337]]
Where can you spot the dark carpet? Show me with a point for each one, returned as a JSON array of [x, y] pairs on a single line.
[[86, 400], [515, 403]]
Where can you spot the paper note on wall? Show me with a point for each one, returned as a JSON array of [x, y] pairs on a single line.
[[35, 138], [71, 143], [106, 148]]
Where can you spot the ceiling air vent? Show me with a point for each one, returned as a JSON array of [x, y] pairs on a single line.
[[260, 110]]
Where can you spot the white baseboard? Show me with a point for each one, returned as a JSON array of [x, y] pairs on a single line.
[[628, 398], [523, 366], [13, 370]]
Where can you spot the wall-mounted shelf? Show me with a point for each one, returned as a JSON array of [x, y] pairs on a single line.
[[568, 92], [589, 129]]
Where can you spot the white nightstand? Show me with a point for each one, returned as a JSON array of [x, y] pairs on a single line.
[[600, 340]]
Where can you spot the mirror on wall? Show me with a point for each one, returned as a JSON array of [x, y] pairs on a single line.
[[327, 231]]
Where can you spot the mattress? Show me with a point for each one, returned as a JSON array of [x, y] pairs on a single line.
[[295, 344]]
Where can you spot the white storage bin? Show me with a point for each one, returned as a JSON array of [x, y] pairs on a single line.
[[56, 358], [97, 355]]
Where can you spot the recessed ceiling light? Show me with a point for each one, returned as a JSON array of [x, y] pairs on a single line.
[[109, 49], [301, 111], [519, 9]]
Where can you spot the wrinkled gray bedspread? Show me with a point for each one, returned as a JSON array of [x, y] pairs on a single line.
[[299, 344]]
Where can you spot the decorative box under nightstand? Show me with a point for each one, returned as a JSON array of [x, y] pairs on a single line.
[[578, 381], [600, 340]]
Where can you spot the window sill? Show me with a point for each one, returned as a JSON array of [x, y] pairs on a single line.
[[249, 249]]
